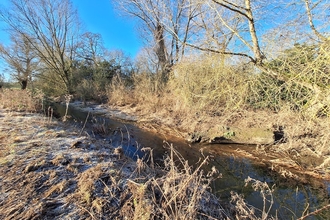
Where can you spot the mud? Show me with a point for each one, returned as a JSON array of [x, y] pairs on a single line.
[[54, 170], [275, 167]]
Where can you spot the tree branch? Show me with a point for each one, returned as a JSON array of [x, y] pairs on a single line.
[[231, 7], [311, 23], [221, 52]]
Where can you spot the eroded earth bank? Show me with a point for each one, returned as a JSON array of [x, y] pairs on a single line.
[[78, 170]]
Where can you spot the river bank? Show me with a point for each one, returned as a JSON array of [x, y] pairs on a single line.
[[63, 171], [274, 162], [50, 169], [284, 142]]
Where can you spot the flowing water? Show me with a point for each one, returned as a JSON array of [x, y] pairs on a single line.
[[291, 199]]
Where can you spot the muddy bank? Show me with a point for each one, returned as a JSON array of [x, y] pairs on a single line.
[[53, 170], [200, 131], [251, 160], [284, 142], [241, 168], [301, 169]]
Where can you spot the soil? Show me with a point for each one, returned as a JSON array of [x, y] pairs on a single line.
[[296, 156], [255, 129], [48, 170]]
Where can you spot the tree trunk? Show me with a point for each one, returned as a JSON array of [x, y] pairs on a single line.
[[24, 83], [162, 53], [253, 33]]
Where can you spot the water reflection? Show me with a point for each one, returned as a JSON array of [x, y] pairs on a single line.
[[291, 199]]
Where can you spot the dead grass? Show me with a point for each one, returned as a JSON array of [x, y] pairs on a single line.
[[205, 96], [179, 193], [246, 211], [206, 83], [58, 181], [71, 178], [119, 92], [21, 100]]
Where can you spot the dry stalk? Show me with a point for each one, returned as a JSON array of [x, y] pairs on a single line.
[[67, 102], [84, 124], [316, 212]]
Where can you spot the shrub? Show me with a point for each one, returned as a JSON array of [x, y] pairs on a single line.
[[301, 82], [208, 84], [89, 90], [119, 91]]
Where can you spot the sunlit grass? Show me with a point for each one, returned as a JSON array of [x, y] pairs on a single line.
[[205, 93], [21, 100]]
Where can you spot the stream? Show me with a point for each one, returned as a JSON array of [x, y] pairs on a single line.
[[292, 199]]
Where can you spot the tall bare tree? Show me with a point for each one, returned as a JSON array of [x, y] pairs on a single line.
[[50, 26], [159, 18], [179, 22], [20, 58], [151, 14], [230, 19], [91, 48]]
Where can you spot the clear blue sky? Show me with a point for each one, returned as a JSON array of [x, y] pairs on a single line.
[[100, 17], [118, 32]]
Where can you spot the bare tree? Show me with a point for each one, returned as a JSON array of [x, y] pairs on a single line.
[[204, 25], [159, 18], [20, 58], [50, 26], [121, 60], [179, 22], [229, 19], [151, 14], [146, 61], [91, 48], [203, 30]]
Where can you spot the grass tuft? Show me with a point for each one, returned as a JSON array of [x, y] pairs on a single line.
[[21, 100]]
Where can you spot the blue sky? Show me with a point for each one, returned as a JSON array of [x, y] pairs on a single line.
[[118, 32]]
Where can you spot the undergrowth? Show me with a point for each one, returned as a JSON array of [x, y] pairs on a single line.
[[206, 84], [290, 91], [21, 100], [178, 193], [89, 180], [297, 78]]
